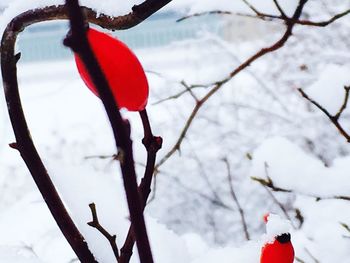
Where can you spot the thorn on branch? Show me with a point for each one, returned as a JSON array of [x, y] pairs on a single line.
[[333, 118], [96, 224], [18, 56], [14, 146]]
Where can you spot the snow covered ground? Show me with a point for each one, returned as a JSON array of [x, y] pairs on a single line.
[[258, 122]]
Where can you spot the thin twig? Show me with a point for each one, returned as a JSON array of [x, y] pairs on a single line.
[[277, 202], [78, 42], [333, 118], [269, 17], [234, 197], [283, 14], [269, 183], [214, 12], [188, 89], [24, 141], [152, 144], [95, 223], [218, 85]]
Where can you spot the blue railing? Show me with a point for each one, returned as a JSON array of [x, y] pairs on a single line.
[[44, 41]]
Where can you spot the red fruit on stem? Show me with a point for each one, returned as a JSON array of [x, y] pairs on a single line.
[[122, 70], [278, 252]]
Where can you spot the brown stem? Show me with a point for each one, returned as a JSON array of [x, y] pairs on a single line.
[[269, 183], [95, 223], [234, 196], [24, 141], [218, 85], [78, 42], [153, 144], [333, 118], [25, 145]]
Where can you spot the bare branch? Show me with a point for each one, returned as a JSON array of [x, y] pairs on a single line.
[[24, 141], [251, 7], [152, 144], [78, 42], [268, 183], [270, 17], [324, 23], [218, 85], [96, 224], [234, 196], [333, 118], [214, 12], [283, 14], [188, 89], [345, 103], [277, 202]]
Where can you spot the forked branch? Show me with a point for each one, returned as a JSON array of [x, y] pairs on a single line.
[[333, 118], [78, 42], [95, 223], [24, 143], [219, 84]]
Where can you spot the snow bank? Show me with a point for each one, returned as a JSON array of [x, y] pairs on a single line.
[[291, 168]]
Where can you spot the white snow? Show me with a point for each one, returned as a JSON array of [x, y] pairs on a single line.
[[194, 6], [291, 168], [17, 255], [276, 226], [108, 7], [328, 90], [258, 113]]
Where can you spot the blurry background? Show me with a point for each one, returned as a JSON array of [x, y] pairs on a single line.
[[192, 190]]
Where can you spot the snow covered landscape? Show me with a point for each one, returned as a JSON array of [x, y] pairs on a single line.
[[256, 146]]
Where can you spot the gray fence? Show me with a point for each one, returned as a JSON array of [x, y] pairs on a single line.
[[44, 41]]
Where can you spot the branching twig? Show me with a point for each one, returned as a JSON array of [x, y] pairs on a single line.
[[268, 183], [283, 14], [276, 201], [268, 17], [24, 141], [218, 85], [234, 197], [333, 118], [78, 42], [152, 144], [96, 224]]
